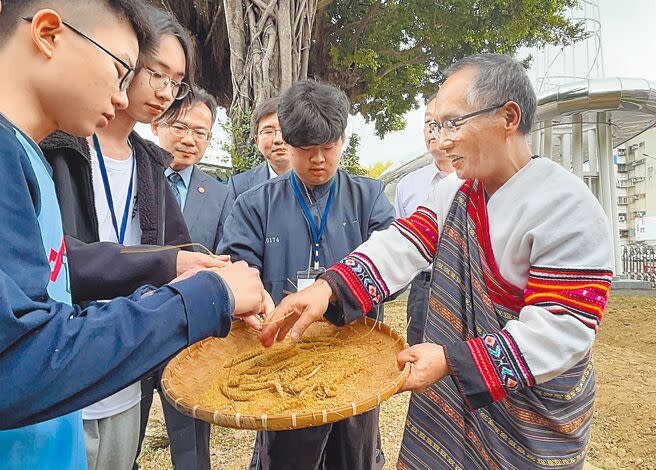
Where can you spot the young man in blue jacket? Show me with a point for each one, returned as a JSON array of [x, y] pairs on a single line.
[[68, 67], [290, 228]]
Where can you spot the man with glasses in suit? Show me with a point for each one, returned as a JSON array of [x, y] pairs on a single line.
[[203, 199], [265, 129]]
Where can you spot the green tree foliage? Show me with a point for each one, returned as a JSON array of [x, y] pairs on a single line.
[[243, 152], [350, 160], [384, 53]]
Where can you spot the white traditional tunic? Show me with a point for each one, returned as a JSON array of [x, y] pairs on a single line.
[[519, 285]]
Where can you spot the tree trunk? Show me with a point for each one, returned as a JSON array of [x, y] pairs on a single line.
[[269, 47], [205, 20]]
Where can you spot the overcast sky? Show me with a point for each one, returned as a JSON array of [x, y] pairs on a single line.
[[628, 39]]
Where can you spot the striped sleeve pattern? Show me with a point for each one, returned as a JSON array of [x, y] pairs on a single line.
[[421, 230], [361, 280], [580, 293], [489, 367]]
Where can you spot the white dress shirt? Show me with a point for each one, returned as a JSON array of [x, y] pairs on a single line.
[[272, 172], [415, 187]]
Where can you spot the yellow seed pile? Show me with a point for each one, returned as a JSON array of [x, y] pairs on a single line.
[[316, 373]]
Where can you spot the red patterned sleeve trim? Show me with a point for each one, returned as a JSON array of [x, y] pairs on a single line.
[[356, 280], [421, 230], [486, 369], [357, 284], [580, 293]]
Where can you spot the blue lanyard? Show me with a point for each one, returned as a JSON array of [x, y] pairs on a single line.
[[120, 235], [316, 235]]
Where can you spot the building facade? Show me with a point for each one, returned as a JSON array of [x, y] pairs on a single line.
[[636, 185]]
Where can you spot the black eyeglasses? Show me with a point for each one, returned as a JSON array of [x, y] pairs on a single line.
[[126, 80], [450, 126]]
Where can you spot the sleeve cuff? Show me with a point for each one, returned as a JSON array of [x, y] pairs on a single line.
[[474, 374], [208, 305], [170, 262], [346, 309], [231, 296], [486, 369]]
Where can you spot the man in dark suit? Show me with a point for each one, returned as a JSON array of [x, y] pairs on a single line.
[[205, 206], [265, 130], [204, 201]]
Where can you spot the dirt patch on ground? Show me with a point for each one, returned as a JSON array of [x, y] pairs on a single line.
[[624, 426]]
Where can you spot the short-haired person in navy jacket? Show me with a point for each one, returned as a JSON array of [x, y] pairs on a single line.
[[56, 358], [293, 226]]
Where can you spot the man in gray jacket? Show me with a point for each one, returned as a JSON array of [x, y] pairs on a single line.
[[203, 200], [290, 228]]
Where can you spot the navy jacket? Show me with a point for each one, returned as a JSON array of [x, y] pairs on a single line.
[[206, 209], [55, 358], [242, 182], [99, 270], [268, 230]]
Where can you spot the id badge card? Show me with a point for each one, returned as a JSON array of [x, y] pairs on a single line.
[[306, 277]]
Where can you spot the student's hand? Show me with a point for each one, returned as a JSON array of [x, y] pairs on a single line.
[[190, 260], [296, 312], [427, 366], [255, 321], [245, 284], [247, 288]]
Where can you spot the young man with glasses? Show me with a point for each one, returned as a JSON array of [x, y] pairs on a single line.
[[266, 132], [522, 259], [112, 189], [56, 358]]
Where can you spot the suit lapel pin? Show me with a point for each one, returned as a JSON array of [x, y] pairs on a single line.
[[201, 189]]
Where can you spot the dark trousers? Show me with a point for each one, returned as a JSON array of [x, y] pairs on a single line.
[[189, 437], [351, 444], [418, 307]]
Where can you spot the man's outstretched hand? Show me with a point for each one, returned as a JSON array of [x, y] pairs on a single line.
[[296, 312]]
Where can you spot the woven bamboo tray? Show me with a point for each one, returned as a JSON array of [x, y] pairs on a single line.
[[189, 375]]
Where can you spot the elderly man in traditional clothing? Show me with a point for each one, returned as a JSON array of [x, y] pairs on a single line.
[[522, 258]]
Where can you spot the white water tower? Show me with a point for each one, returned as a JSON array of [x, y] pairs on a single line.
[[555, 65]]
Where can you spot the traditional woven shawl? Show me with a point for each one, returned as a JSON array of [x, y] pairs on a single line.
[[535, 426]]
